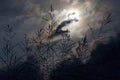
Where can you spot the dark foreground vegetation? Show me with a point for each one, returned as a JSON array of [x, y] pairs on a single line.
[[42, 58], [103, 65]]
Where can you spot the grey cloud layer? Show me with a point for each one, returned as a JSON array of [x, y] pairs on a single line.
[[26, 14]]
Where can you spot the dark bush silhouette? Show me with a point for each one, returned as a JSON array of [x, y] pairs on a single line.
[[40, 56], [29, 70], [104, 65], [14, 66]]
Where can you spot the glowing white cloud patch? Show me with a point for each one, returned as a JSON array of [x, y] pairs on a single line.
[[73, 27], [73, 14], [60, 16], [70, 14], [84, 14]]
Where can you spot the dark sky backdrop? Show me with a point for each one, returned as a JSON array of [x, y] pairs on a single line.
[[25, 15]]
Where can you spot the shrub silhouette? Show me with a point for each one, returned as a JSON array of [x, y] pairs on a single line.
[[15, 66], [42, 54], [104, 65]]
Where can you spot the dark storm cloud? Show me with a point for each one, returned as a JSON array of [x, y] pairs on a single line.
[[63, 24], [10, 9], [14, 10], [59, 30], [116, 15], [20, 14]]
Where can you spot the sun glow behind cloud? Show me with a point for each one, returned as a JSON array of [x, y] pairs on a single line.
[[83, 13], [71, 14], [74, 14]]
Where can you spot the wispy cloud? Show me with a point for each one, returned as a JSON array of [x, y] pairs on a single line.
[[26, 14]]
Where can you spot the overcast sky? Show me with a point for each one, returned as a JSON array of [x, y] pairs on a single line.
[[25, 15]]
